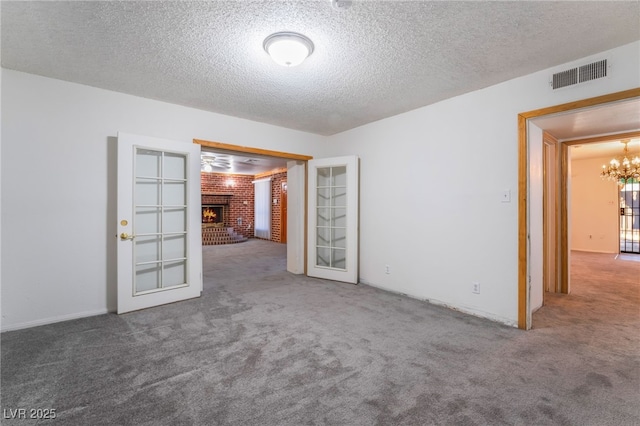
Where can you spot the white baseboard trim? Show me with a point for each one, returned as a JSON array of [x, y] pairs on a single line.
[[463, 309], [52, 320]]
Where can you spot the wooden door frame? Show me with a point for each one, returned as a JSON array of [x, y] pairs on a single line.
[[523, 185], [251, 150]]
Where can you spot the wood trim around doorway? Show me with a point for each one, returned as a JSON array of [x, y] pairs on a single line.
[[250, 150], [524, 321]]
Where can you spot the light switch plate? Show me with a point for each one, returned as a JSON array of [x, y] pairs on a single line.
[[506, 196]]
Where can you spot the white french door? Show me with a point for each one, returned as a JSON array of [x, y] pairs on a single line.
[[159, 249], [332, 251]]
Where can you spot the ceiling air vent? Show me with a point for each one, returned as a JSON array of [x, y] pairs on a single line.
[[580, 74]]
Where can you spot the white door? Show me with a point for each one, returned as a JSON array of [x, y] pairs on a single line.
[[332, 251], [159, 226]]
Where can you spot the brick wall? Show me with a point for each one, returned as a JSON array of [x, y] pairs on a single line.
[[240, 192], [276, 193]]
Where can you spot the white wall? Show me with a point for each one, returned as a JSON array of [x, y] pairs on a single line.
[[443, 168], [58, 187], [594, 208], [0, 191]]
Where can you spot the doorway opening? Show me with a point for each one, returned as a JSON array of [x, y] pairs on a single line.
[[525, 184], [613, 206], [230, 174]]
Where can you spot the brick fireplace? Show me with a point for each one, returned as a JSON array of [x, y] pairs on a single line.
[[235, 194], [217, 226]]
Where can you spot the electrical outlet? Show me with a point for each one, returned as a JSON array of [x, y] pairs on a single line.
[[475, 287], [387, 269]]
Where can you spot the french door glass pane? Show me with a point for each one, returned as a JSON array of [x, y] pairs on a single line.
[[339, 217], [147, 248], [148, 220], [148, 163], [339, 237], [174, 247], [324, 217], [160, 244], [323, 238], [323, 254], [339, 175], [339, 196], [174, 193], [324, 197], [331, 204], [147, 277], [147, 192], [174, 220], [175, 166], [338, 258], [324, 177], [174, 273]]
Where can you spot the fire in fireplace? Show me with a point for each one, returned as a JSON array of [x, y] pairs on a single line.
[[212, 214]]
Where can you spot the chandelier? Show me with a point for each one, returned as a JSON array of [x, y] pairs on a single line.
[[622, 171]]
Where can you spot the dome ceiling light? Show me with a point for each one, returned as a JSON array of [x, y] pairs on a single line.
[[288, 49]]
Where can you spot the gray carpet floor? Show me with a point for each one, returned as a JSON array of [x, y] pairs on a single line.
[[265, 347]]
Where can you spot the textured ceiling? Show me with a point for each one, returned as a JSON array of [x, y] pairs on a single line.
[[371, 61], [243, 164]]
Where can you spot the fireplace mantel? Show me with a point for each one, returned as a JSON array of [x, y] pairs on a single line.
[[216, 198]]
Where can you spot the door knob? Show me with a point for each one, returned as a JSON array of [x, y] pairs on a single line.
[[125, 236]]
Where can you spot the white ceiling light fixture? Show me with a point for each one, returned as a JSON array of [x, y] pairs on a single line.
[[288, 49], [209, 162], [206, 164]]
